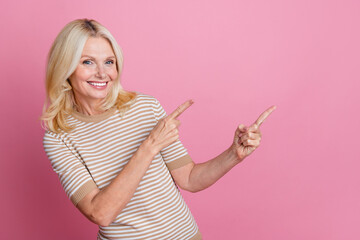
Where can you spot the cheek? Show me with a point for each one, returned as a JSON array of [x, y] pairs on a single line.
[[84, 74], [80, 76], [78, 79], [113, 75]]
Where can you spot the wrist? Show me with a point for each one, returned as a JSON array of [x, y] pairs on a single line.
[[147, 148], [234, 154]]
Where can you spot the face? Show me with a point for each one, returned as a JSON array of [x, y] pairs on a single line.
[[94, 76]]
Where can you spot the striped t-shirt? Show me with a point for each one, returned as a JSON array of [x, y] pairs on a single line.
[[96, 150]]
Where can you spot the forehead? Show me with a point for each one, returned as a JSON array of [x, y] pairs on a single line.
[[98, 47]]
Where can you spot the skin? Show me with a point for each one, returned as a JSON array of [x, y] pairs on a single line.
[[97, 64], [196, 177], [102, 206]]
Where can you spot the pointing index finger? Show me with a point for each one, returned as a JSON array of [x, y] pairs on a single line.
[[264, 115], [181, 109]]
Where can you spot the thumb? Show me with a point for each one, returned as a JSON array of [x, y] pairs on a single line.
[[240, 129]]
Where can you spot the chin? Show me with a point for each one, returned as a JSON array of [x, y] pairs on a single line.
[[99, 96]]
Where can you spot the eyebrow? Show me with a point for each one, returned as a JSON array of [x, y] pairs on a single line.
[[94, 58]]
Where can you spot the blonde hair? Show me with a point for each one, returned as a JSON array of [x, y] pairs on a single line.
[[63, 58]]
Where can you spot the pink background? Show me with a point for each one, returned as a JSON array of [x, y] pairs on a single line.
[[235, 59]]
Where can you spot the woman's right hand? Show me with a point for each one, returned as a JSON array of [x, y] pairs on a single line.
[[166, 131]]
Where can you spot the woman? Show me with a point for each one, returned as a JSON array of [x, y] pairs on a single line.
[[117, 153]]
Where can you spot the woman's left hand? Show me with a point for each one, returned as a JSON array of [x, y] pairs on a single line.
[[247, 139]]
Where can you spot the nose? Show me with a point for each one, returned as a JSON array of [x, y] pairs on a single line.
[[100, 72]]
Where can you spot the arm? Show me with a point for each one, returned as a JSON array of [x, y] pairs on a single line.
[[196, 177], [102, 206]]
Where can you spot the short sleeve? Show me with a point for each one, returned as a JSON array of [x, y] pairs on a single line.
[[73, 174], [175, 155]]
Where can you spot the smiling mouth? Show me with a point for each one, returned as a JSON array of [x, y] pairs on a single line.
[[98, 84]]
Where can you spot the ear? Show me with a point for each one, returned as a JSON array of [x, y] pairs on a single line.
[[67, 85]]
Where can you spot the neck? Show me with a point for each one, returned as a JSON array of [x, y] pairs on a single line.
[[87, 108], [88, 111]]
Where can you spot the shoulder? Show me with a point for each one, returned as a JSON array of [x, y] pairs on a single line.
[[50, 141], [146, 99], [50, 137]]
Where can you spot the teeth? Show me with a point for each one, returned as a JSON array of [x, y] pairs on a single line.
[[97, 84]]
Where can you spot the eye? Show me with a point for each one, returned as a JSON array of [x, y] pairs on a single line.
[[87, 62], [110, 62]]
